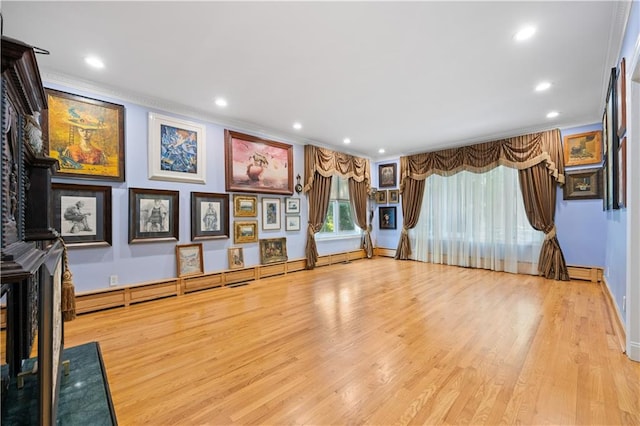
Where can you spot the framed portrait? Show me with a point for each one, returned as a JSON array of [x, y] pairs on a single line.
[[189, 259], [381, 196], [583, 184], [245, 231], [245, 205], [86, 136], [176, 149], [291, 205], [236, 258], [209, 216], [257, 165], [273, 250], [387, 175], [622, 173], [621, 99], [82, 214], [611, 144], [394, 196], [153, 215], [387, 217], [583, 148], [270, 213], [292, 223]]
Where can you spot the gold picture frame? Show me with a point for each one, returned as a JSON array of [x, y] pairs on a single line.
[[245, 231], [189, 259], [245, 205], [583, 148], [273, 250]]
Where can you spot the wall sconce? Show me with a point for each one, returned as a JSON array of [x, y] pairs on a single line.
[[298, 185]]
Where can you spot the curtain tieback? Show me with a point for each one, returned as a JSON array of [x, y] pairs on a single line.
[[405, 231], [551, 234]]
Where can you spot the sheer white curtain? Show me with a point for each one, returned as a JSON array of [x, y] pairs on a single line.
[[476, 220]]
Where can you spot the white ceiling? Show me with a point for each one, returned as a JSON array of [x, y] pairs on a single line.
[[408, 77]]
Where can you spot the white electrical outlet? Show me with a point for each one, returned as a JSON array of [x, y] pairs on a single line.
[[113, 280]]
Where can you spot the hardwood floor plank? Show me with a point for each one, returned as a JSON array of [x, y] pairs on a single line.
[[369, 342]]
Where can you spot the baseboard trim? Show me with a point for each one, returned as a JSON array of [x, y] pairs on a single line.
[[385, 252], [585, 273], [122, 296], [616, 319]]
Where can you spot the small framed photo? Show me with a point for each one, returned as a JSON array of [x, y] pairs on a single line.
[[273, 250], [621, 98], [153, 215], [291, 205], [387, 175], [394, 196], [245, 231], [209, 216], [236, 258], [82, 214], [292, 223], [189, 259], [387, 217], [176, 149], [85, 135], [257, 165], [622, 173], [583, 148], [270, 213], [583, 184], [381, 196], [245, 205]]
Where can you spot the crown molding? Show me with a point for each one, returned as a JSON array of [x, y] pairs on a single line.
[[617, 27]]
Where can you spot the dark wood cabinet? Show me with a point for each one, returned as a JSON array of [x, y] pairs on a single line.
[[30, 253]]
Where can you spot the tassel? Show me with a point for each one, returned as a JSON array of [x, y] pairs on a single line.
[[68, 289]]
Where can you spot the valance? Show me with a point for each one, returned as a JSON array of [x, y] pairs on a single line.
[[520, 152], [328, 163]]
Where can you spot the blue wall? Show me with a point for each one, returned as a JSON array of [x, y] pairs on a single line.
[[143, 262]]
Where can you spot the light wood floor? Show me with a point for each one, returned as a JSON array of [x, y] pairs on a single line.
[[371, 342]]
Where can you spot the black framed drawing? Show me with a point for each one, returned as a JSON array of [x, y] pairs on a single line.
[[82, 214], [387, 217], [583, 184], [209, 216], [153, 215], [387, 175]]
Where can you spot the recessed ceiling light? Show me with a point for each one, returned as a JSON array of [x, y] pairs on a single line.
[[381, 151], [543, 86], [525, 33], [297, 126], [553, 114], [346, 140], [221, 102], [94, 62]]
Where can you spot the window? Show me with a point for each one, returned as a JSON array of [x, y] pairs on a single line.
[[477, 220], [339, 220]]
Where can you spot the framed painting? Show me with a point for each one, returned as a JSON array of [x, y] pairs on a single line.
[[381, 196], [583, 184], [291, 205], [236, 258], [245, 205], [209, 216], [82, 214], [270, 213], [292, 223], [257, 165], [85, 135], [612, 145], [387, 175], [621, 99], [189, 260], [622, 173], [394, 196], [245, 231], [153, 215], [273, 250], [387, 217], [177, 149], [583, 148]]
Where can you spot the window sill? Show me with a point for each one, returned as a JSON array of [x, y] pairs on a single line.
[[337, 237]]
